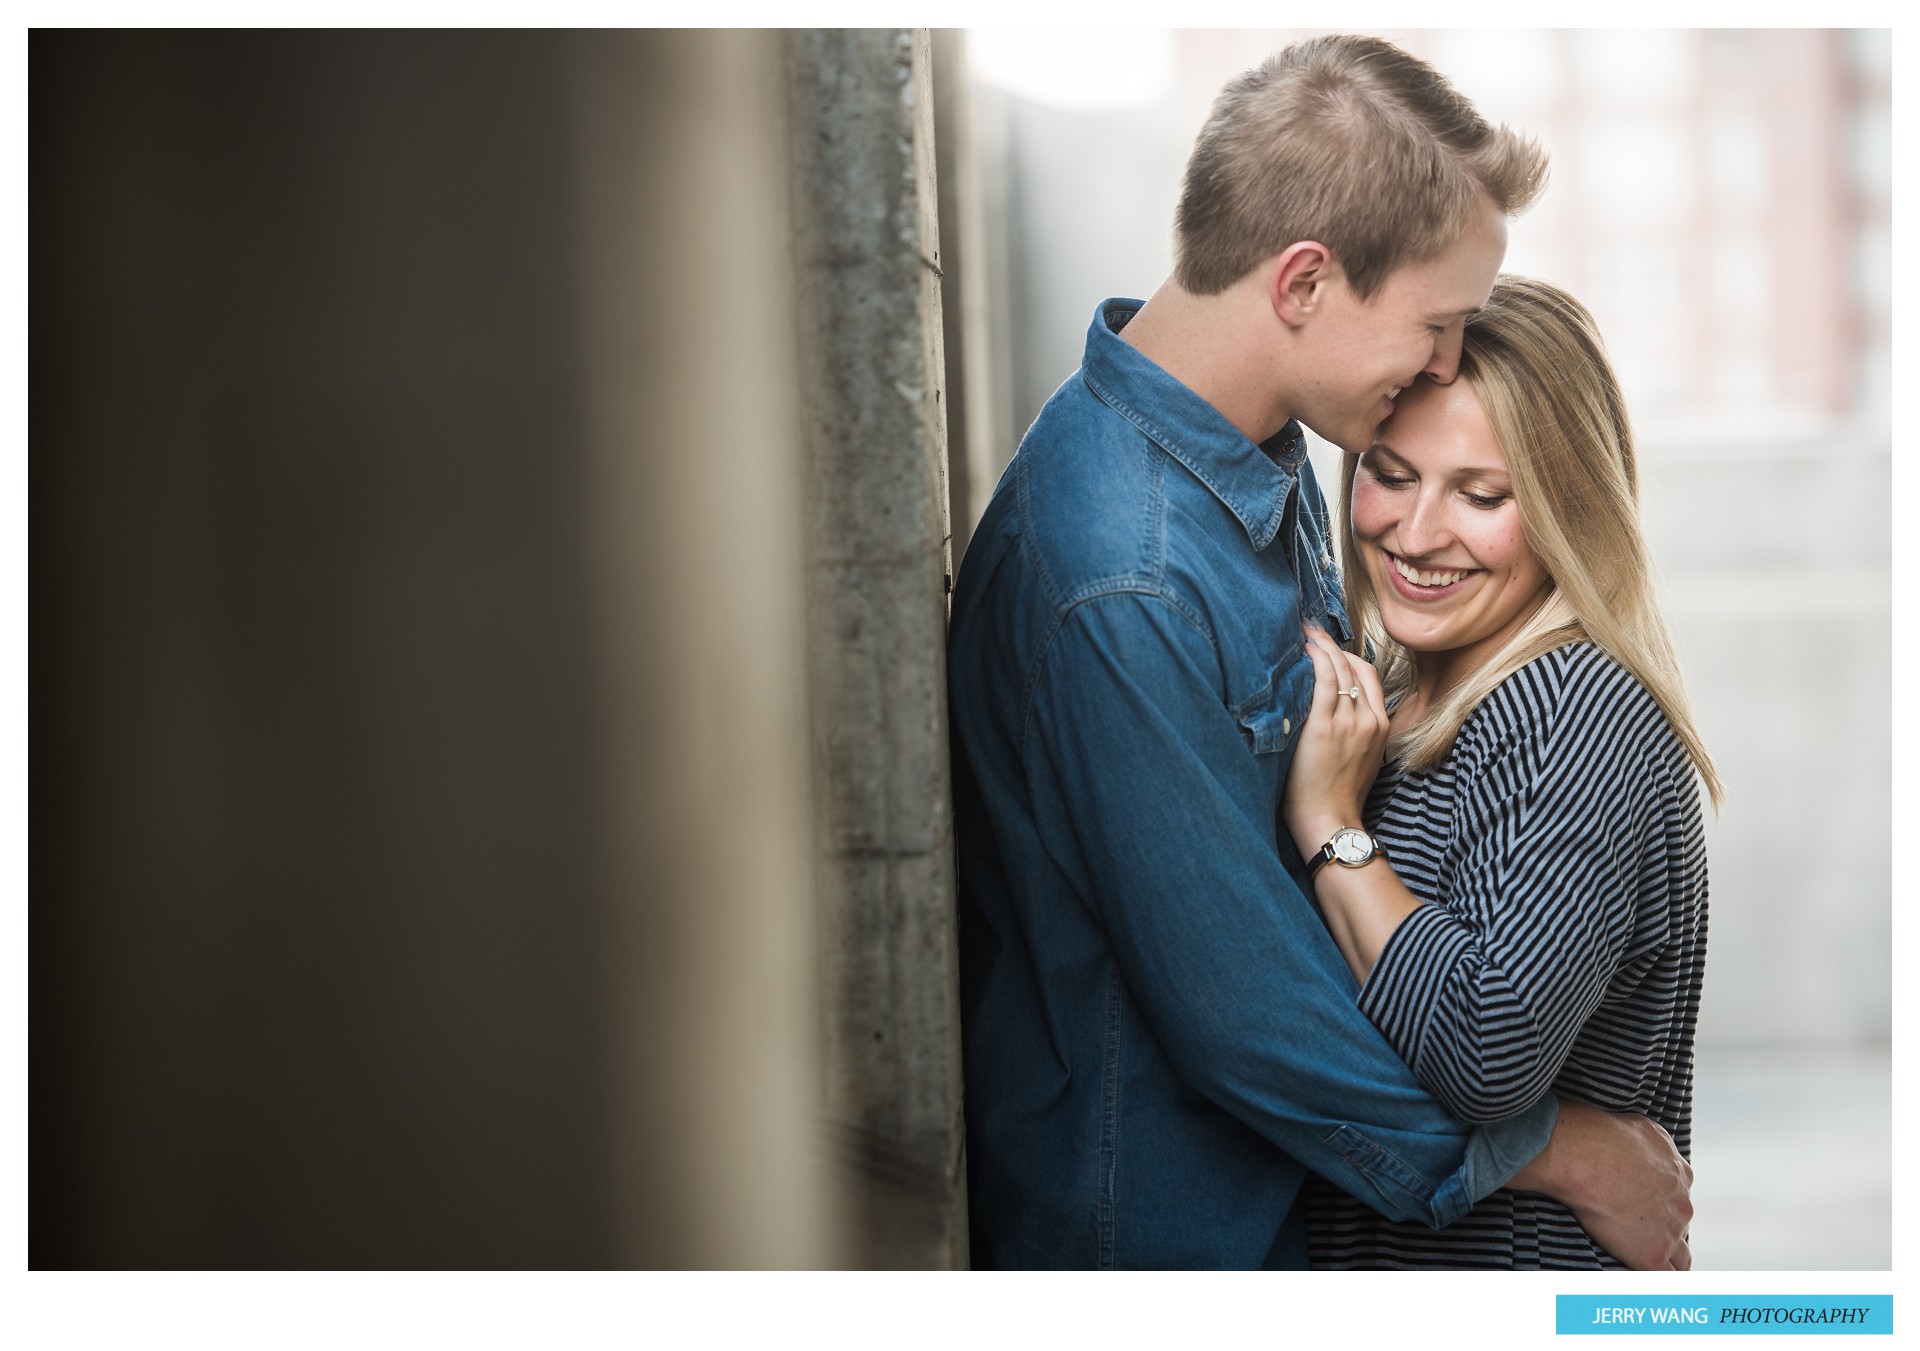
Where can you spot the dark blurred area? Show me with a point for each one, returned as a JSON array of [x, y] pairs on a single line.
[[312, 917], [488, 768]]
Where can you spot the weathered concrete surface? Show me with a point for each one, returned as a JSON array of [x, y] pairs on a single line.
[[867, 247]]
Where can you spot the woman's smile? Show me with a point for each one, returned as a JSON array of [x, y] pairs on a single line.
[[1425, 584]]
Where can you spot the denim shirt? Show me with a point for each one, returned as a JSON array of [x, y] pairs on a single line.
[[1160, 1038]]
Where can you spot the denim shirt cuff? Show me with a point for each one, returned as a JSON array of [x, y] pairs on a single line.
[[1499, 1149]]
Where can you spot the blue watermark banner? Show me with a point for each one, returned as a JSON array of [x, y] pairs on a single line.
[[1719, 1315]]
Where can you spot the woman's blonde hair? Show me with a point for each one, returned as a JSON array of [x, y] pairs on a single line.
[[1535, 360]]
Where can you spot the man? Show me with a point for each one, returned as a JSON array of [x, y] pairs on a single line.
[[1160, 1038]]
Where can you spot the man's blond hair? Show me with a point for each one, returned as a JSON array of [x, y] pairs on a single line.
[[1352, 143]]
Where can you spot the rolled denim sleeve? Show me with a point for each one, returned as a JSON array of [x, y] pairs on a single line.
[[1128, 728]]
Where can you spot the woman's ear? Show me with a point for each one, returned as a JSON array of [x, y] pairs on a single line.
[[1300, 277]]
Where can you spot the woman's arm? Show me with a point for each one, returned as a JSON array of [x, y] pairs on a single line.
[[1334, 764], [1362, 907], [1619, 1174], [1485, 996]]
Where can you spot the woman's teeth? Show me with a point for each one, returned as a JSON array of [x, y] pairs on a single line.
[[1421, 577]]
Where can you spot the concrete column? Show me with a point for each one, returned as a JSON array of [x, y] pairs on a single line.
[[868, 249]]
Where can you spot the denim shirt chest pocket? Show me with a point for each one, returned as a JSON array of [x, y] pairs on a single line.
[[1271, 718]]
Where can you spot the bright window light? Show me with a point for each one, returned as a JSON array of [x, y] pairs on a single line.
[[1076, 67]]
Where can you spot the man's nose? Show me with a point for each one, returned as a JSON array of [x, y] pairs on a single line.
[[1446, 354]]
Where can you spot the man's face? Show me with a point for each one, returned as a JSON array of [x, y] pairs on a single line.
[[1361, 353]]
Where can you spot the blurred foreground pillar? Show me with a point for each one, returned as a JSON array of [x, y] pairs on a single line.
[[695, 480], [868, 244], [420, 805]]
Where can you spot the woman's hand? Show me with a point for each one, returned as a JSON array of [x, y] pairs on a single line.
[[1338, 754]]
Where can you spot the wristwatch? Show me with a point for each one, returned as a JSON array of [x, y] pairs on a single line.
[[1349, 847]]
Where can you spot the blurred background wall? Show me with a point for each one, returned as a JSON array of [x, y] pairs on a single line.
[[1721, 199]]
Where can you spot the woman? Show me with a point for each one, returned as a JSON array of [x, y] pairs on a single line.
[[1530, 912]]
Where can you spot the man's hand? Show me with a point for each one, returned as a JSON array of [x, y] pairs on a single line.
[[1623, 1180]]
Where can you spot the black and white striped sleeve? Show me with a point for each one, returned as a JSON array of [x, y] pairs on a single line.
[[1540, 891]]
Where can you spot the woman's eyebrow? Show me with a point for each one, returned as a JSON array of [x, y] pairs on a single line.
[[1471, 471]]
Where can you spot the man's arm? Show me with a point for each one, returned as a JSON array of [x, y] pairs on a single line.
[[1239, 979], [1623, 1180], [1170, 814]]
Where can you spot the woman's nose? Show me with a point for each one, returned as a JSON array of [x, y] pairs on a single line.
[[1423, 528]]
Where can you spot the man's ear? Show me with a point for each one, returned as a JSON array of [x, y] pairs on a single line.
[[1299, 279]]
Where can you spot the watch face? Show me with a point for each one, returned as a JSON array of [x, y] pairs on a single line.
[[1352, 847]]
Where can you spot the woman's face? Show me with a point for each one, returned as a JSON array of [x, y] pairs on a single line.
[[1439, 534]]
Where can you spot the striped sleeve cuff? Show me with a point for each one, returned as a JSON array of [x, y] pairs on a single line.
[[1403, 992]]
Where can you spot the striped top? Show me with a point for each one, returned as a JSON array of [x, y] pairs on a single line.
[[1560, 849]]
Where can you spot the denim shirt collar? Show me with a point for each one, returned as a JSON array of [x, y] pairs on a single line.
[[1253, 481]]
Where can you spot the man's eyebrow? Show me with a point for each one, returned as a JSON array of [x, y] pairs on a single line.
[[1449, 316]]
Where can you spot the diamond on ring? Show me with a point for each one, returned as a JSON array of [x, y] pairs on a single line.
[[1353, 694]]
